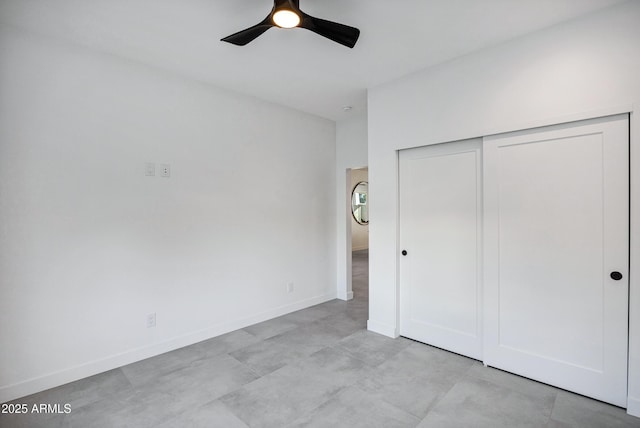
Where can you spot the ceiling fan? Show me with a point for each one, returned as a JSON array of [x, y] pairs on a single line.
[[287, 14]]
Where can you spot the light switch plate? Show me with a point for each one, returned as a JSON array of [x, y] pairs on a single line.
[[149, 169], [165, 170]]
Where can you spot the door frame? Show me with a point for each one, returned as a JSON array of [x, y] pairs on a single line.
[[345, 267], [345, 283]]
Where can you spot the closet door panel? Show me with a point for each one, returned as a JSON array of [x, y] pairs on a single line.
[[440, 212], [556, 227]]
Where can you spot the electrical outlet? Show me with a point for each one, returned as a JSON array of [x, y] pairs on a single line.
[[165, 170], [149, 169], [290, 287], [151, 320]]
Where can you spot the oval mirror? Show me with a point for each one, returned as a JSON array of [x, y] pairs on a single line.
[[359, 207]]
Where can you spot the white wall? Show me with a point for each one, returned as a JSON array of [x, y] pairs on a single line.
[[586, 68], [351, 153], [359, 232], [89, 246]]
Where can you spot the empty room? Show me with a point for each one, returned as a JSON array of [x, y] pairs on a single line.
[[288, 213]]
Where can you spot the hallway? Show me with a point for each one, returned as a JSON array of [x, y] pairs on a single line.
[[360, 275]]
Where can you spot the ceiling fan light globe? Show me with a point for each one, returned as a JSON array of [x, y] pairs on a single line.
[[286, 19]]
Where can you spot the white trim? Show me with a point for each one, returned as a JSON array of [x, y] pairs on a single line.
[[633, 379], [633, 406], [345, 283], [383, 329], [345, 296], [396, 296], [51, 380], [559, 120]]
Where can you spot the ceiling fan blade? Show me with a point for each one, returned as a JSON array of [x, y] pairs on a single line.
[[247, 35], [339, 33]]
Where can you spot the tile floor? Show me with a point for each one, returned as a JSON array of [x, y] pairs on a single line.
[[318, 367]]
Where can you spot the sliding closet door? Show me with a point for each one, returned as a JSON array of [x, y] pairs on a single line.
[[440, 225], [556, 255]]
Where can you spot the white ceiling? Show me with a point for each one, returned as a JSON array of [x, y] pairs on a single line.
[[295, 68]]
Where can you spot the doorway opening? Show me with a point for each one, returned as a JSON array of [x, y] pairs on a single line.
[[359, 233]]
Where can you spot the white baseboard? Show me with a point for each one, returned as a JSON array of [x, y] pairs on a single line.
[[633, 406], [382, 328], [51, 380], [366, 247], [342, 295]]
